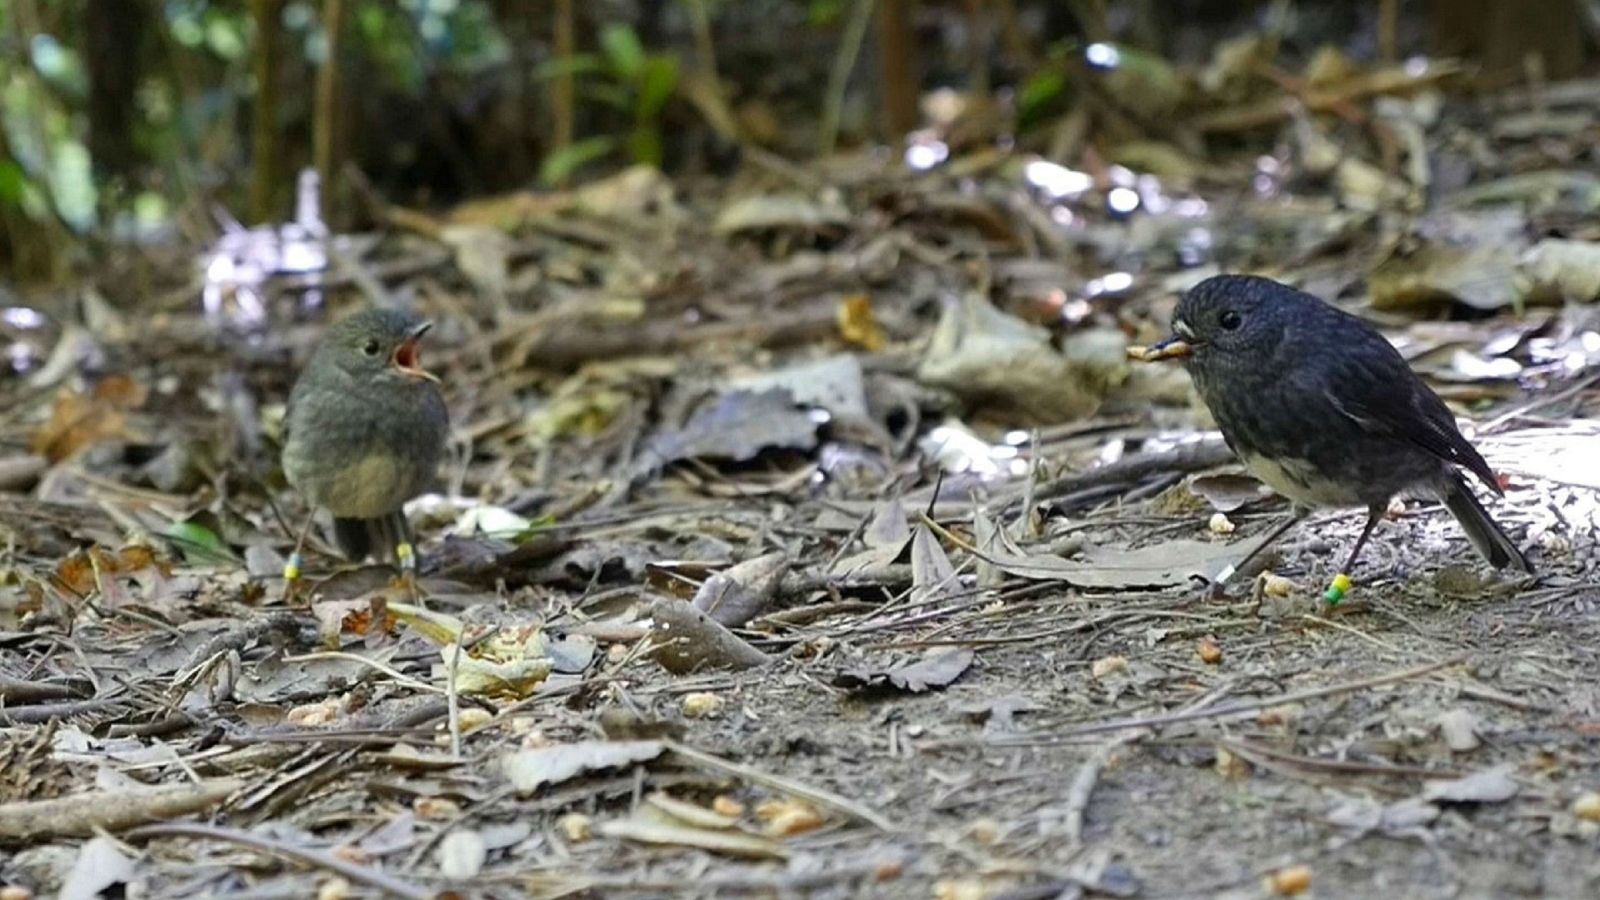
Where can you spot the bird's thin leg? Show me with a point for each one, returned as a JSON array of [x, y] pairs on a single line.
[[406, 557], [1296, 515], [293, 565], [1341, 581]]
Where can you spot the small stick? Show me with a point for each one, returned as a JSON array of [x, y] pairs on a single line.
[[1233, 709], [366, 875], [780, 783]]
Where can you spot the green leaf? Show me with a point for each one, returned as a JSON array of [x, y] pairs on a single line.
[[13, 181], [656, 84], [558, 166], [644, 145], [576, 64], [199, 544], [623, 50], [1039, 91], [613, 95]]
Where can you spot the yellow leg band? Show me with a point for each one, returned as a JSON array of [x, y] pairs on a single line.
[[291, 568], [404, 555], [1337, 589]]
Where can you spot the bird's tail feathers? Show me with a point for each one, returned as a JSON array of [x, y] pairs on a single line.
[[1484, 532]]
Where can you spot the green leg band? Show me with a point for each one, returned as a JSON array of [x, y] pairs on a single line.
[[1337, 589]]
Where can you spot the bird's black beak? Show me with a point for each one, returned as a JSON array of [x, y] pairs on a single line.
[[408, 356]]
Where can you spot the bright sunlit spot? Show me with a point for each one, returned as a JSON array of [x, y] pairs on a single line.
[[1103, 56], [1122, 200], [958, 450], [925, 151], [1057, 181], [1110, 283], [24, 318]]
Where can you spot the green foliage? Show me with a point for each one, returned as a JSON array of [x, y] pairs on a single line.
[[559, 165], [199, 544], [626, 77]]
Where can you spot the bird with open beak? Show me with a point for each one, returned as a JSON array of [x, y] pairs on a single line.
[[1324, 410], [364, 432]]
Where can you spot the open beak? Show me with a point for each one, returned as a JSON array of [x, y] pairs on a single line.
[[408, 356]]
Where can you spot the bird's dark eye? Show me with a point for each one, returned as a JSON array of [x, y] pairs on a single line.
[[1229, 320], [371, 347]]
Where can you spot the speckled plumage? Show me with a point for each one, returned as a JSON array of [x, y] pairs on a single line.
[[1323, 409], [362, 436]]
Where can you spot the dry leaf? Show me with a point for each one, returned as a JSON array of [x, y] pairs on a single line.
[[1489, 786], [789, 817], [528, 770], [857, 325], [80, 419], [938, 667], [462, 854], [932, 574], [728, 843]]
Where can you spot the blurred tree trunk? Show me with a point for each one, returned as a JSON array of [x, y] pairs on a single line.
[[326, 149], [562, 104], [898, 81], [1504, 36], [266, 177], [113, 32]]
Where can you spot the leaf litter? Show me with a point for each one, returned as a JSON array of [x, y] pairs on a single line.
[[844, 466]]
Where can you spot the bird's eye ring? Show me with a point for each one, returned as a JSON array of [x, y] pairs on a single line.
[[1229, 320], [371, 348]]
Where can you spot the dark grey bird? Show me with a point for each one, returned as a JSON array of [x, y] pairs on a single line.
[[365, 429], [1319, 406]]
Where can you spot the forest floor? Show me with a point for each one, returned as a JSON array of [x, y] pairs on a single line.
[[810, 534]]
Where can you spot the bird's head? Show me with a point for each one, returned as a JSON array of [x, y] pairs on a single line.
[[1230, 317], [377, 343]]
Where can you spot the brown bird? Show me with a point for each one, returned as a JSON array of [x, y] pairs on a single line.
[[364, 432]]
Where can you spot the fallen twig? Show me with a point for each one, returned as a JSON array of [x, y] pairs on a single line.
[[83, 814], [780, 783], [322, 859]]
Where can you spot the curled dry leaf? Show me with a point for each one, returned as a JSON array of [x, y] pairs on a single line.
[[688, 640], [1226, 492], [743, 591], [937, 668], [886, 537]]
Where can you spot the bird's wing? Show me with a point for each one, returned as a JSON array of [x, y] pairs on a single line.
[[1374, 387]]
